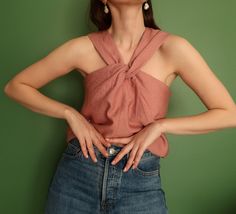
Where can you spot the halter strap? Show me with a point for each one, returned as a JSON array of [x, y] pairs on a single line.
[[150, 41]]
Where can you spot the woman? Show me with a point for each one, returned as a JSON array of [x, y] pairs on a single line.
[[112, 161]]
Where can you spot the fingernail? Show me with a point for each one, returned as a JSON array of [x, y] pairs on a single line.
[[113, 162], [96, 160], [125, 169], [86, 156]]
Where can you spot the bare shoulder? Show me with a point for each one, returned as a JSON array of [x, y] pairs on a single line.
[[176, 48], [174, 39], [83, 40], [85, 52], [175, 43], [80, 43]]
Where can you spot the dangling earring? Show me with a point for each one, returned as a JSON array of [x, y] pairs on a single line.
[[146, 6], [106, 10]]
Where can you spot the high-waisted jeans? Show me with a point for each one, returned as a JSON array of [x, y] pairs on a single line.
[[81, 186]]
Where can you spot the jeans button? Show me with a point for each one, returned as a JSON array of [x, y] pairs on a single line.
[[111, 151]]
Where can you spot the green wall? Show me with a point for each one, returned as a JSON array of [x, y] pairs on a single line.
[[199, 174]]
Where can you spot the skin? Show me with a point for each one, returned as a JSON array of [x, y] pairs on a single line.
[[127, 26]]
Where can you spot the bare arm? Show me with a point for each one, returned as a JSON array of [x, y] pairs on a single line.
[[23, 87], [195, 72]]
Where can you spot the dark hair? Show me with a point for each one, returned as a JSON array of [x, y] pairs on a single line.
[[103, 20]]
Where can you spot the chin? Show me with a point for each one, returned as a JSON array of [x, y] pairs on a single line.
[[130, 2]]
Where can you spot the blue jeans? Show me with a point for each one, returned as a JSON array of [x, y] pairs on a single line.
[[81, 186]]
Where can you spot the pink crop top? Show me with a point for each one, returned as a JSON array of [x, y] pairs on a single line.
[[120, 99]]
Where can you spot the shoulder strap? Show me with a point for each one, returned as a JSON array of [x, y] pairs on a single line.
[[101, 46], [152, 42]]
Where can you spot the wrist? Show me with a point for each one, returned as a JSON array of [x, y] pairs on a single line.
[[70, 114], [160, 123]]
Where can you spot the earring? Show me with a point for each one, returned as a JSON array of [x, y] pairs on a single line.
[[146, 6], [106, 10]]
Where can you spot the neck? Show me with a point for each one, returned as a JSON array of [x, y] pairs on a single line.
[[127, 24]]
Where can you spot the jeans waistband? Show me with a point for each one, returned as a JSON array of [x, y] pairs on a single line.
[[112, 150]]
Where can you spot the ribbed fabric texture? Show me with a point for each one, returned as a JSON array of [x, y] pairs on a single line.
[[120, 99]]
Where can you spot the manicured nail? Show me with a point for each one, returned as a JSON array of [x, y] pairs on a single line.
[[125, 169], [113, 162], [96, 160]]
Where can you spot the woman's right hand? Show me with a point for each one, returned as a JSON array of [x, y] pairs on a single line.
[[86, 134]]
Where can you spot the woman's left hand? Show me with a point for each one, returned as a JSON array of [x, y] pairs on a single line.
[[138, 143]]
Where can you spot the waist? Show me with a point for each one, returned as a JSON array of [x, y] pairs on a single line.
[[159, 147]]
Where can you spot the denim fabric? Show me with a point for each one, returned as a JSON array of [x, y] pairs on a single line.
[[80, 185]]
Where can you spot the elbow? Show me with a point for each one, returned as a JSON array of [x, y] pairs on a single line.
[[9, 88]]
